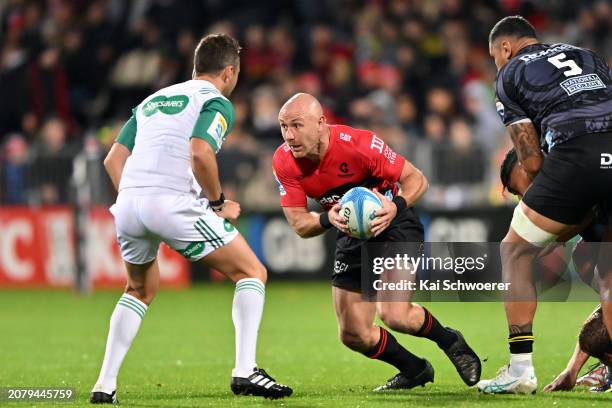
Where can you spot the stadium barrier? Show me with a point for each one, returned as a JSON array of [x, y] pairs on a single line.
[[42, 246], [38, 248]]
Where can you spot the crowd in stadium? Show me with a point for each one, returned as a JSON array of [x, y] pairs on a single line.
[[416, 72]]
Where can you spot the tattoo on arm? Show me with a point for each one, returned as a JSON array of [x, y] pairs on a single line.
[[520, 328], [525, 139]]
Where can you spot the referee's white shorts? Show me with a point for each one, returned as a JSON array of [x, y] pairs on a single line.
[[184, 222]]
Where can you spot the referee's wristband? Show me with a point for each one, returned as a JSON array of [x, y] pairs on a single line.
[[400, 203], [324, 220], [217, 205]]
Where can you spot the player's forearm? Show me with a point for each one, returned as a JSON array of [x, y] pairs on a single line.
[[413, 187], [114, 162], [114, 172], [532, 165], [307, 225], [205, 170], [577, 361]]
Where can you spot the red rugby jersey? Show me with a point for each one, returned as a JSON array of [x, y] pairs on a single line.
[[353, 158]]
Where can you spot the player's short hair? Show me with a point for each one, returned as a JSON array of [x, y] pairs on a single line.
[[505, 170], [514, 26], [593, 338], [215, 52]]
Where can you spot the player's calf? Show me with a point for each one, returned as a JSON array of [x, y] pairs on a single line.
[[358, 340]]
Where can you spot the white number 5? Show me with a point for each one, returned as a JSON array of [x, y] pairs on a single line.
[[557, 62]]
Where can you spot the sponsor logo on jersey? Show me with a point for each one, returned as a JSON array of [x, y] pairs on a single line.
[[582, 83], [281, 189], [169, 105], [605, 161], [344, 170], [544, 53], [332, 199], [500, 109], [390, 155], [377, 144], [345, 136], [217, 128]]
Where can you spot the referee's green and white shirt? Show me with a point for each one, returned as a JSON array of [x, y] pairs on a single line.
[[159, 131]]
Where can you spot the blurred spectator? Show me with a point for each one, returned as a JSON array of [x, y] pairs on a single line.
[[13, 170], [416, 71], [434, 128], [461, 161], [51, 166]]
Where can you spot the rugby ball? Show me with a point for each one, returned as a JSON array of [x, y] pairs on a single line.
[[359, 206]]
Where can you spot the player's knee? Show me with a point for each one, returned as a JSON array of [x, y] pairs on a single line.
[[357, 340]]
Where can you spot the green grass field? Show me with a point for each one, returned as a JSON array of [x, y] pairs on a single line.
[[183, 354]]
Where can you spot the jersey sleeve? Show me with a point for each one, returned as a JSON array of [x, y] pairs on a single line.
[[215, 122], [506, 102], [127, 134], [290, 191], [380, 160]]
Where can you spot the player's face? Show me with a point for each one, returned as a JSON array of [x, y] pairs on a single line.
[[501, 51], [301, 132]]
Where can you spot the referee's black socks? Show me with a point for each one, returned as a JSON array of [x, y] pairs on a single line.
[[390, 351], [434, 331]]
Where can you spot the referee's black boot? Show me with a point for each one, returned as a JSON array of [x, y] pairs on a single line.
[[99, 397], [259, 384]]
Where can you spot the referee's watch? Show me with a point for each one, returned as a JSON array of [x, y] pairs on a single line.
[[217, 205]]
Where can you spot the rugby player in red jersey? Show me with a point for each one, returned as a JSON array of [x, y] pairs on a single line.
[[323, 161]]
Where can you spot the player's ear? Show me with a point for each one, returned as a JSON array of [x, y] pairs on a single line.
[[228, 73], [506, 49]]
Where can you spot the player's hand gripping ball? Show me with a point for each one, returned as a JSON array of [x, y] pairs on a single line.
[[359, 206]]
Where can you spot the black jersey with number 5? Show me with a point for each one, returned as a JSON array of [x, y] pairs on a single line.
[[565, 91]]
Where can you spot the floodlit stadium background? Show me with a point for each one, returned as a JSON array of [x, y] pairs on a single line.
[[416, 72]]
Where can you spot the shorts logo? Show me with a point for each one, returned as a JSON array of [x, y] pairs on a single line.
[[193, 250], [169, 105], [605, 161], [228, 226], [340, 267]]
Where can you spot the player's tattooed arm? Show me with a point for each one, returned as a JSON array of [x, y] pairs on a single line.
[[527, 144], [520, 328]]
